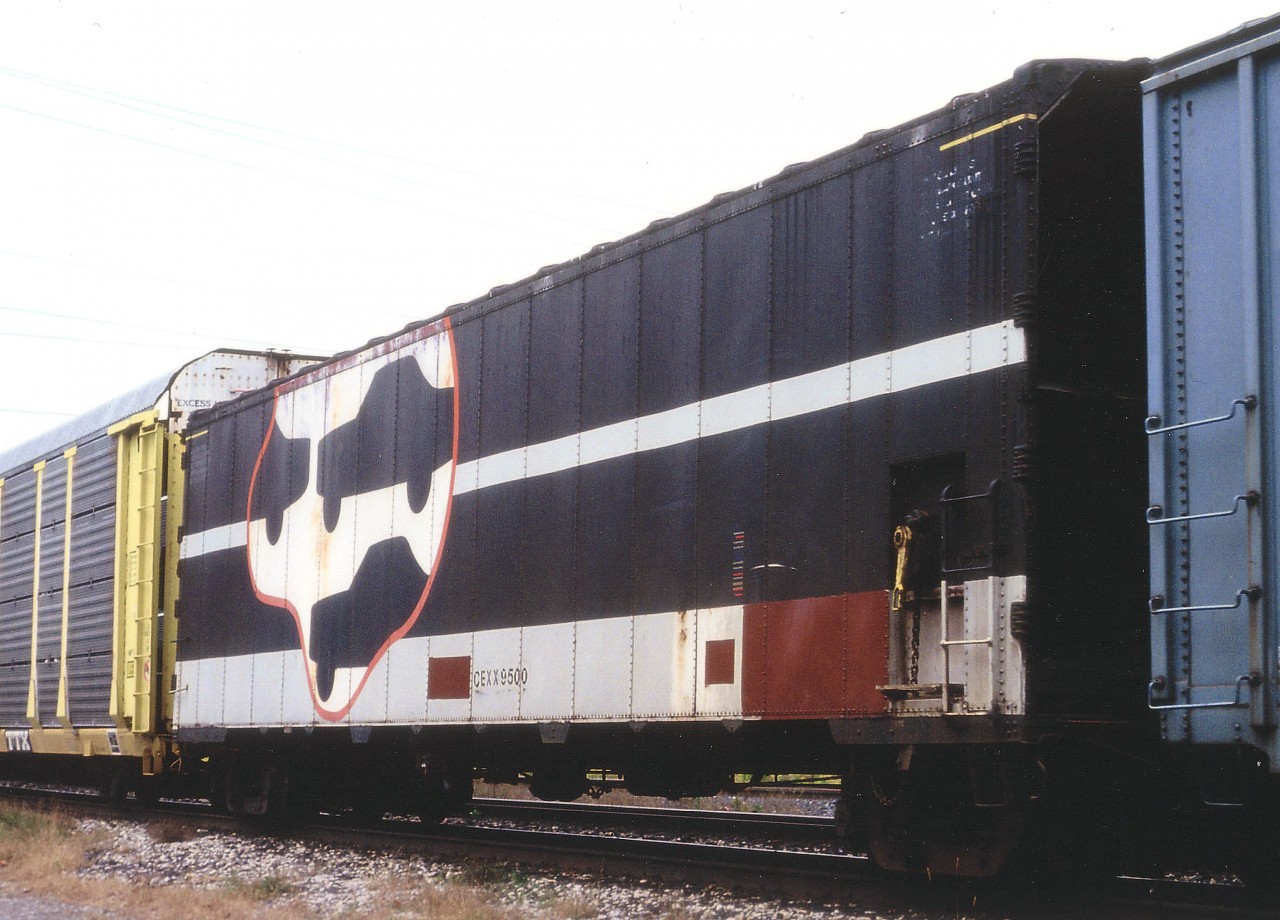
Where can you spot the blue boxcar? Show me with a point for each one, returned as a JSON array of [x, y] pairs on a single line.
[[1212, 129]]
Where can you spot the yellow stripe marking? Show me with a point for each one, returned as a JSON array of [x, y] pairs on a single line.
[[1029, 116]]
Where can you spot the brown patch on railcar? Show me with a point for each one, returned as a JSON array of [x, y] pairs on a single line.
[[449, 678], [719, 668], [820, 656]]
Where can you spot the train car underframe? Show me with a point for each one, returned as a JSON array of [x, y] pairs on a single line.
[[1087, 798], [969, 809]]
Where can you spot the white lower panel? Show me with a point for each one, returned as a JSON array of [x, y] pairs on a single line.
[[547, 653], [239, 690], [297, 706], [406, 674], [268, 687], [983, 660], [719, 699], [626, 668], [495, 671], [371, 704], [455, 646], [601, 676], [664, 666]]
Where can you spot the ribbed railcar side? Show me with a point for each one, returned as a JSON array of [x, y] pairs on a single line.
[[77, 484], [714, 420], [1213, 203], [648, 498], [83, 579]]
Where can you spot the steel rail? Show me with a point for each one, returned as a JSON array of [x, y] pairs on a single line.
[[847, 881]]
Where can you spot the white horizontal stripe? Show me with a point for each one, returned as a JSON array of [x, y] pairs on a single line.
[[229, 536], [948, 358]]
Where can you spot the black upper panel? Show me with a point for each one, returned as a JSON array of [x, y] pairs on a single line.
[[904, 238]]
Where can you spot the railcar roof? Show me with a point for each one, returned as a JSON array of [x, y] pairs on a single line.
[[1254, 28], [113, 410], [138, 399], [1026, 74]]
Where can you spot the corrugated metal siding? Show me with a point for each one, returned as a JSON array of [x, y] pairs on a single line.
[[1211, 126], [17, 547], [90, 596], [92, 582], [49, 645]]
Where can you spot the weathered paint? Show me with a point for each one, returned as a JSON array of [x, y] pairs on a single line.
[[314, 559]]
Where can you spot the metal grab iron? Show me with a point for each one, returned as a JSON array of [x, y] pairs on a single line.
[[1156, 604], [902, 542], [1247, 402], [1244, 680], [1250, 498]]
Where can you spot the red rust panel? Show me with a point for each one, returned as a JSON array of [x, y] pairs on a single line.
[[817, 657], [719, 666], [449, 678]]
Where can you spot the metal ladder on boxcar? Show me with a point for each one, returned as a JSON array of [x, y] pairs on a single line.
[[1249, 499], [949, 691]]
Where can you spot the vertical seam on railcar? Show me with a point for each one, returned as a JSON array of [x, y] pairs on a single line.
[[1182, 539], [577, 498], [33, 702], [633, 598], [846, 434], [523, 617], [697, 461], [62, 711], [475, 516], [763, 581]]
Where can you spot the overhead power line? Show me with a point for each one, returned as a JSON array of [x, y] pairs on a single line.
[[280, 175], [92, 341], [98, 93], [144, 327], [239, 292], [36, 412]]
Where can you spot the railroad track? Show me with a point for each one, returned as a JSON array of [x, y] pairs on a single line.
[[845, 879], [799, 828]]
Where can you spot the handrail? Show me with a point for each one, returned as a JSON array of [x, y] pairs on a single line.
[[1156, 604], [947, 644], [1249, 680], [1248, 402], [993, 489], [1250, 498]]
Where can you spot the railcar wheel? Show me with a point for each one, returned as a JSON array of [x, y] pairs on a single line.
[[115, 782], [925, 814], [369, 811], [851, 817], [1258, 859], [148, 789], [266, 787], [444, 788]]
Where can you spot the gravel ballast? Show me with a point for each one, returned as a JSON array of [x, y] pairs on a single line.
[[333, 881]]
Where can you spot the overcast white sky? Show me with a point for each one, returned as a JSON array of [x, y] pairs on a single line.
[[180, 176]]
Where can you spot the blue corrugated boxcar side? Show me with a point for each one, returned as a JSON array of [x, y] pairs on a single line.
[[1212, 141]]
